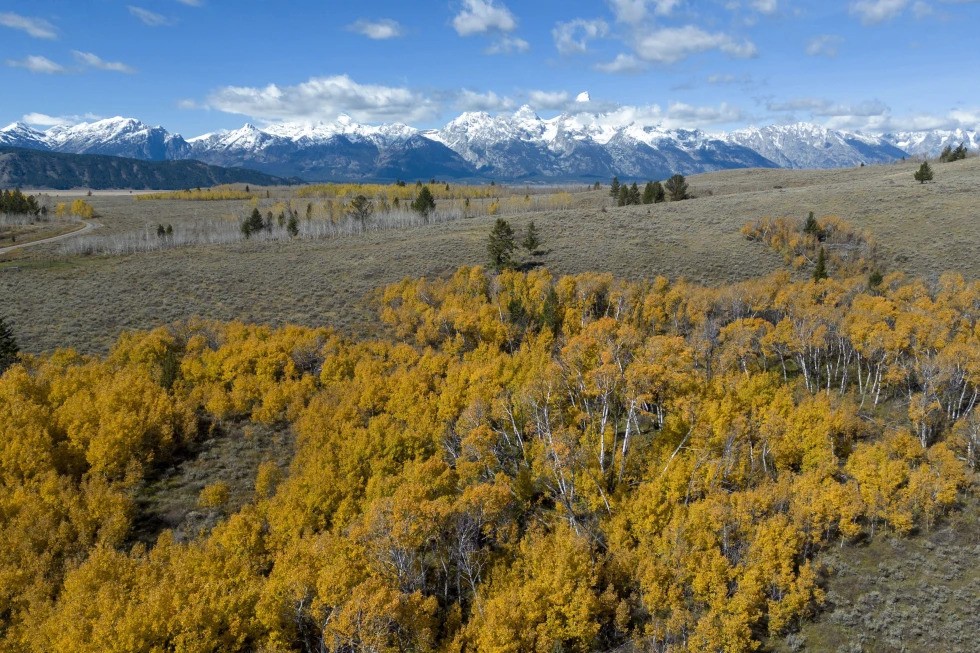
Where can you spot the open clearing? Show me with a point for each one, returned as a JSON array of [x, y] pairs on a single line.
[[56, 300]]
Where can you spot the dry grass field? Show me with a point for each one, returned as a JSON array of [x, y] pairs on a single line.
[[54, 299]]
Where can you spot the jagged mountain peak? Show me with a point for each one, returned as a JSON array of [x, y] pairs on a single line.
[[578, 144]]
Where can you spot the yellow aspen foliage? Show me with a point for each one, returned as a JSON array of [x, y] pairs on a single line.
[[82, 209], [545, 600], [520, 463], [214, 495]]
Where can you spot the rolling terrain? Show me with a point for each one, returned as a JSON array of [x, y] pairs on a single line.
[[58, 299], [878, 589]]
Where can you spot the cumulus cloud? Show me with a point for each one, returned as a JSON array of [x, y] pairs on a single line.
[[377, 29], [573, 37], [508, 45], [148, 17], [824, 45], [680, 114], [877, 11], [548, 99], [633, 11], [623, 63], [677, 115], [44, 120], [765, 6], [89, 60], [37, 64], [324, 98], [472, 101], [672, 44], [36, 27], [482, 16]]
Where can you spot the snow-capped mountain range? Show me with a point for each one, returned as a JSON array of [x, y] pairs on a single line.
[[518, 146]]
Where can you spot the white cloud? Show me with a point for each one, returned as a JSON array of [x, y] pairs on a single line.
[[37, 64], [877, 11], [623, 63], [36, 27], [672, 44], [148, 17], [482, 16], [680, 114], [377, 29], [89, 60], [634, 11], [824, 45], [719, 79], [44, 120], [190, 3], [472, 101], [765, 6], [573, 37], [508, 45], [548, 99], [823, 108], [884, 122], [324, 98]]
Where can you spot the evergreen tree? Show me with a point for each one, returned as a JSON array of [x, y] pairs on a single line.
[[624, 196], [812, 227], [659, 194], [676, 188], [252, 224], [424, 203], [614, 188], [161, 231], [8, 346], [532, 240], [633, 197], [292, 227], [169, 231], [946, 154], [501, 245], [924, 173], [360, 209], [820, 271], [648, 193]]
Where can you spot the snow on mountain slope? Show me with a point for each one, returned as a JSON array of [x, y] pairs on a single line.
[[117, 137], [931, 143], [804, 145], [20, 135], [517, 146]]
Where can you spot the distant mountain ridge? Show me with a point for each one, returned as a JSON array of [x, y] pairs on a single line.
[[34, 168], [477, 146]]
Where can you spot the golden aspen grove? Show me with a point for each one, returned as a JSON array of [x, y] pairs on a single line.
[[522, 463]]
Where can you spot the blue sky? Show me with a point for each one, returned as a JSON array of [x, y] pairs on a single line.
[[201, 65]]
